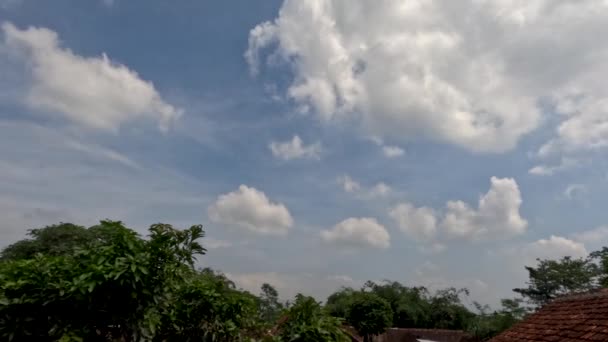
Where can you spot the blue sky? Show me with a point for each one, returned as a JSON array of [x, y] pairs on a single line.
[[321, 143]]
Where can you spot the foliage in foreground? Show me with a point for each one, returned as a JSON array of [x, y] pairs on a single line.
[[106, 283]]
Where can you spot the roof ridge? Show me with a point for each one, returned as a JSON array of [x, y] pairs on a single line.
[[595, 293]]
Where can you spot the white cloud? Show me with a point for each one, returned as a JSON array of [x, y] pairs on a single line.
[[542, 170], [379, 190], [549, 170], [433, 248], [250, 209], [574, 190], [358, 232], [496, 216], [211, 243], [392, 151], [102, 152], [596, 235], [426, 269], [470, 72], [554, 247], [389, 151], [348, 184], [341, 278], [90, 91], [351, 186], [295, 149], [594, 239], [418, 223]]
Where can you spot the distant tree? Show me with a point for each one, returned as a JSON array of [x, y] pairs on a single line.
[[207, 307], [600, 259], [487, 324], [410, 305], [337, 303], [446, 310], [305, 321], [58, 239], [369, 314], [270, 305], [553, 278]]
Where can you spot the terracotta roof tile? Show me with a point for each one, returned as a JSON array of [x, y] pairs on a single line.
[[579, 318]]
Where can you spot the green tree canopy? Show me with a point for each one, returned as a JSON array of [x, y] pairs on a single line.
[[58, 239], [306, 321], [116, 288], [553, 278], [369, 314], [270, 305]]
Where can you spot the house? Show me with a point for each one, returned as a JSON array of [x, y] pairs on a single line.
[[423, 335], [582, 317], [415, 335]]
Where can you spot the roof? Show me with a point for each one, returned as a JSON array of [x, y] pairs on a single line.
[[574, 318], [414, 335]]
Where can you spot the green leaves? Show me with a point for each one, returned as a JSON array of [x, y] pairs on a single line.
[[96, 283], [553, 278], [306, 320], [369, 314]]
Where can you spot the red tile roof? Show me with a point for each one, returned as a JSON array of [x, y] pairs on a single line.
[[574, 318], [407, 335]]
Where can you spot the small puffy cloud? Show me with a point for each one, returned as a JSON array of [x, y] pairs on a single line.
[[389, 151], [295, 149], [250, 209], [549, 170], [392, 151], [418, 223], [554, 247], [90, 91], [353, 187], [497, 214], [542, 170], [358, 232], [379, 190], [348, 184]]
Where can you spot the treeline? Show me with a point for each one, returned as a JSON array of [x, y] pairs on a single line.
[[107, 283]]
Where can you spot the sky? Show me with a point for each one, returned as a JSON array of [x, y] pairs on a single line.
[[321, 143]]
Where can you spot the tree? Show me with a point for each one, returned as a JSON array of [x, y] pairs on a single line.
[[489, 324], [369, 314], [306, 321], [207, 307], [115, 286], [447, 310], [553, 278], [410, 305], [270, 305], [58, 239], [337, 303]]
